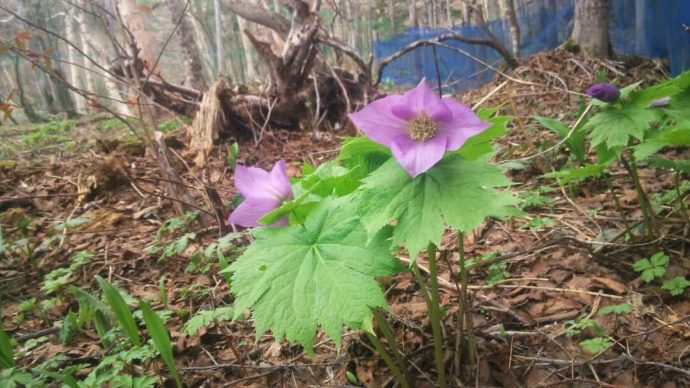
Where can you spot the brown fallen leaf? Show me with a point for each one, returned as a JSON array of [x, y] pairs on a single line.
[[611, 284]]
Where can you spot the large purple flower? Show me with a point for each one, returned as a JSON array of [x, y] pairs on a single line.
[[604, 92], [418, 127], [263, 191]]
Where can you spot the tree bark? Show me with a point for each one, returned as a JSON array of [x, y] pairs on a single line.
[[89, 81], [194, 75], [591, 30], [412, 9], [513, 26], [220, 52], [136, 22], [449, 14], [249, 62], [74, 79]]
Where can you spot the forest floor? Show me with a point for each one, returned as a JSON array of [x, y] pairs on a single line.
[[564, 263]]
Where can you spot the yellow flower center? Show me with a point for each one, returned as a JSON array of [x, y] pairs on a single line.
[[422, 128]]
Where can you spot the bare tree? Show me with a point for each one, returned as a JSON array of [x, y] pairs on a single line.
[[509, 6], [135, 21], [74, 60], [194, 76], [591, 30], [220, 52]]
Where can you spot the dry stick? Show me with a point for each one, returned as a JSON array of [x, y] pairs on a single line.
[[560, 143], [348, 106], [438, 72], [503, 74], [530, 143], [485, 98], [437, 41]]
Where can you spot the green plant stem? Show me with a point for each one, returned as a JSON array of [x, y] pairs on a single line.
[[631, 167], [681, 204], [619, 208], [387, 331], [388, 360], [435, 315], [467, 323]]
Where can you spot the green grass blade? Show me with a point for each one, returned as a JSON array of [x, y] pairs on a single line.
[[6, 354], [119, 306], [161, 339]]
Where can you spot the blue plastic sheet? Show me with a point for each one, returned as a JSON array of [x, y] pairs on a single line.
[[651, 28]]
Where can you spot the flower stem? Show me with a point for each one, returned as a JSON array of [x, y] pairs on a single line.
[[388, 360], [467, 323], [681, 204], [619, 208], [387, 331], [435, 316], [646, 208]]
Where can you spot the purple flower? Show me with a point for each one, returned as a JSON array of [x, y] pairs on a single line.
[[418, 127], [263, 191], [660, 102], [604, 92]]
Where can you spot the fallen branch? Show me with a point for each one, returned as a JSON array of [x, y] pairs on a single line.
[[494, 44]]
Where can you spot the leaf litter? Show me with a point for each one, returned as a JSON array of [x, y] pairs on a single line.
[[523, 319]]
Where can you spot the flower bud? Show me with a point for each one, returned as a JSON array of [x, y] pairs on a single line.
[[660, 102], [604, 92]]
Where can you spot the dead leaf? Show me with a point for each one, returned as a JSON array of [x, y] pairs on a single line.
[[611, 284]]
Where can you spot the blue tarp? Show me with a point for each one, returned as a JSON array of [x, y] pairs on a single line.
[[651, 28]]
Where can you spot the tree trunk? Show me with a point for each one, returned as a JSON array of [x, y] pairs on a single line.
[[412, 9], [136, 22], [74, 78], [513, 26], [249, 62], [90, 83], [591, 30], [640, 26], [194, 76], [449, 14], [220, 53]]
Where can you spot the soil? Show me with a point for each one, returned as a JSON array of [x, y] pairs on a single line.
[[111, 201]]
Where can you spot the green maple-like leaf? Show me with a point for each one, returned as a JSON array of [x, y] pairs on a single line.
[[615, 127], [676, 286], [322, 273], [596, 345], [457, 192]]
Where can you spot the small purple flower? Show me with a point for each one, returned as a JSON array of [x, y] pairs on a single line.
[[604, 92], [660, 102], [418, 127], [263, 191]]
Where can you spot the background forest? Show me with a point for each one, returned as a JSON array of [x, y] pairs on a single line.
[[370, 193]]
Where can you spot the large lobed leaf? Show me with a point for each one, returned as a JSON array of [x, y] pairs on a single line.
[[322, 273], [457, 192], [615, 127]]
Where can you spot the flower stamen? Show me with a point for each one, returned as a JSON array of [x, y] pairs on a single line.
[[422, 128]]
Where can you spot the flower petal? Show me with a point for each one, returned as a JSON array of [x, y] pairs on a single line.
[[251, 210], [464, 124], [254, 182], [424, 99], [417, 157], [279, 180], [251, 181], [378, 122]]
